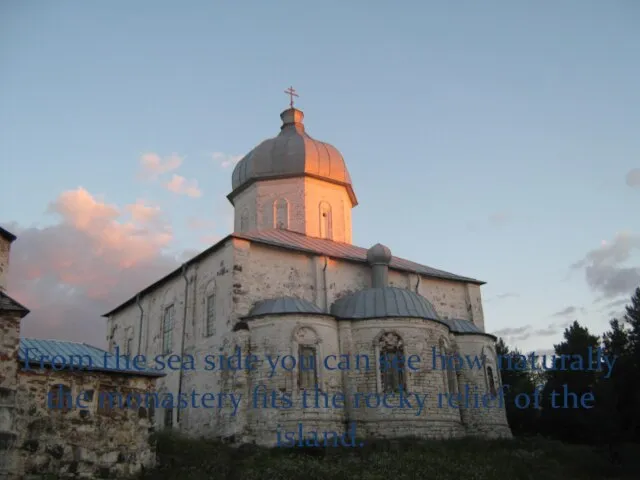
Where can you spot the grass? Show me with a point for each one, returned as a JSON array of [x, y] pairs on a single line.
[[410, 459]]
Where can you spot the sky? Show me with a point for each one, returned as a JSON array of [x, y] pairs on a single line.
[[497, 140]]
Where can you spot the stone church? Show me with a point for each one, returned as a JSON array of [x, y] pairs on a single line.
[[288, 281]]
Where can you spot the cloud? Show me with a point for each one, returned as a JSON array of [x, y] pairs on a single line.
[[633, 178], [182, 186], [524, 332], [142, 213], [152, 166], [511, 331], [502, 296], [225, 160], [570, 311], [604, 267], [618, 303], [95, 257]]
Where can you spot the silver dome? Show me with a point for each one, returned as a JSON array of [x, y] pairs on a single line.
[[290, 154], [383, 302]]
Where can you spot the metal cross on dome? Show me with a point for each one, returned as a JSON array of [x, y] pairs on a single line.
[[292, 93]]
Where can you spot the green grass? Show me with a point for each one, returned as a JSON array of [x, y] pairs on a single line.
[[410, 459]]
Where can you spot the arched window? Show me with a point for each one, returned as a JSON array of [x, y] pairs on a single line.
[[326, 229], [391, 364], [492, 382], [244, 220], [281, 213], [306, 340]]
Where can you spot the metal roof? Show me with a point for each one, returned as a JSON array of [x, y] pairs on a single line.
[[298, 241], [7, 235], [292, 153], [282, 305], [383, 302], [8, 304], [302, 243], [77, 356], [457, 325]]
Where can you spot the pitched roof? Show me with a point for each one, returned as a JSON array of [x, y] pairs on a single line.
[[76, 356], [7, 235], [302, 243], [8, 304], [297, 241], [280, 305]]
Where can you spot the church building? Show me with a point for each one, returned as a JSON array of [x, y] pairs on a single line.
[[288, 283]]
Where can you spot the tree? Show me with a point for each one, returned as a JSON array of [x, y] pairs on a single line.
[[570, 422], [517, 380], [632, 372]]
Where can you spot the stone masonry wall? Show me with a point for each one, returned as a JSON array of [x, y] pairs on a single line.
[[487, 422], [212, 276], [5, 246], [81, 443], [271, 272], [240, 274], [418, 337], [9, 341], [280, 335], [254, 207]]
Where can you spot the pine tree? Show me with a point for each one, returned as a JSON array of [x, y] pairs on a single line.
[[572, 423], [632, 373], [517, 380]]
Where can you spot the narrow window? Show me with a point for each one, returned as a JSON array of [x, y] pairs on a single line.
[[60, 398], [452, 380], [391, 363], [281, 213], [211, 313], [492, 383], [307, 367], [167, 329], [168, 417], [128, 347], [244, 220], [325, 221], [152, 411]]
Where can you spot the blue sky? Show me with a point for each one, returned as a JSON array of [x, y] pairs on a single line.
[[494, 139]]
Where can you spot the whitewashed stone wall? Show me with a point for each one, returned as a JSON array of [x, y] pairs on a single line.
[[5, 247], [254, 206], [419, 337], [279, 336], [486, 422], [213, 275], [270, 272], [241, 273]]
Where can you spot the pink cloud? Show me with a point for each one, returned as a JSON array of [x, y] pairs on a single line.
[[72, 272], [143, 213], [151, 165], [182, 186]]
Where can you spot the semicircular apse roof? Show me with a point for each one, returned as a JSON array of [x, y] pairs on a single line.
[[384, 302], [273, 306], [457, 325]]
